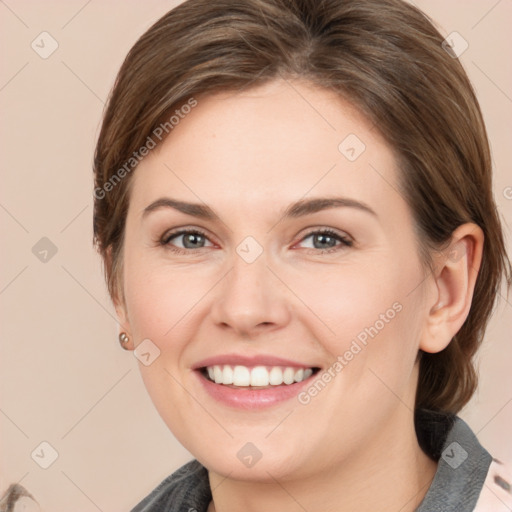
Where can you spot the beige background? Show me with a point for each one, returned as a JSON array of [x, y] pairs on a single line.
[[64, 378]]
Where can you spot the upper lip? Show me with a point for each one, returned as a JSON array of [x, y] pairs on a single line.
[[255, 360]]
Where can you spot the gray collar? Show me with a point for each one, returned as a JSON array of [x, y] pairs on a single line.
[[462, 468]]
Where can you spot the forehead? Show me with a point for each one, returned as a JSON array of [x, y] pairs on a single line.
[[269, 145]]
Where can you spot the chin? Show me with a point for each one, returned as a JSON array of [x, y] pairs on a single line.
[[249, 465]]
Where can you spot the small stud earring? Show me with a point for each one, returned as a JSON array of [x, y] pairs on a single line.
[[124, 339]]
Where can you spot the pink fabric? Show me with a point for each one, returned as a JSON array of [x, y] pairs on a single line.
[[496, 495]]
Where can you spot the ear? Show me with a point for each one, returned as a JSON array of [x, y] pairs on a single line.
[[119, 300], [453, 285]]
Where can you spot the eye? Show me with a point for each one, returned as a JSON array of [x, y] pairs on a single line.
[[327, 240], [324, 240], [191, 238]]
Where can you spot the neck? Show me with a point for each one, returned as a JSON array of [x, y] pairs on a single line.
[[390, 473]]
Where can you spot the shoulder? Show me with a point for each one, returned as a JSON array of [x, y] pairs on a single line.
[[496, 495], [187, 488]]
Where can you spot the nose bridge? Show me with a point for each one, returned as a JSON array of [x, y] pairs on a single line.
[[250, 295]]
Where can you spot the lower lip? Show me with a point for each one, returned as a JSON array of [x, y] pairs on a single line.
[[249, 398]]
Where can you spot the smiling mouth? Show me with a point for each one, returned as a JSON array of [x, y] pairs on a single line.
[[256, 377]]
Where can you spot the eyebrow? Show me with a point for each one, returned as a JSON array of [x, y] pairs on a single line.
[[298, 209]]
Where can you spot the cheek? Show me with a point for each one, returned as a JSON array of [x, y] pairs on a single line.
[[161, 306], [160, 297], [368, 318], [351, 298]]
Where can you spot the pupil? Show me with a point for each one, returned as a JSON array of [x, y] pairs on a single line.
[[191, 237], [323, 236]]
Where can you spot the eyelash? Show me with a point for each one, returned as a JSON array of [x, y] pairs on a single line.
[[166, 238]]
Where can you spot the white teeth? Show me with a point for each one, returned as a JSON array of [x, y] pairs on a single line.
[[288, 376], [221, 375], [258, 376], [241, 376], [217, 374], [227, 375], [276, 376]]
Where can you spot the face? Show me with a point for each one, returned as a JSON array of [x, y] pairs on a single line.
[[269, 283]]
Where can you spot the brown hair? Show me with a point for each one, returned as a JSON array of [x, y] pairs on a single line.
[[386, 58]]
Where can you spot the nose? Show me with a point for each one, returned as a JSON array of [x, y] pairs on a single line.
[[250, 299]]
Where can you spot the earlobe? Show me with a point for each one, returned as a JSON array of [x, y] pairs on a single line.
[[125, 337], [453, 287]]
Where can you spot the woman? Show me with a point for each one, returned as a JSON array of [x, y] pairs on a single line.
[[293, 201]]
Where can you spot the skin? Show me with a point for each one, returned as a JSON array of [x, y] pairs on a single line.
[[248, 156]]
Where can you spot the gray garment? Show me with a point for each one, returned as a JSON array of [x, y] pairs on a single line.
[[462, 468], [461, 472], [186, 490]]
